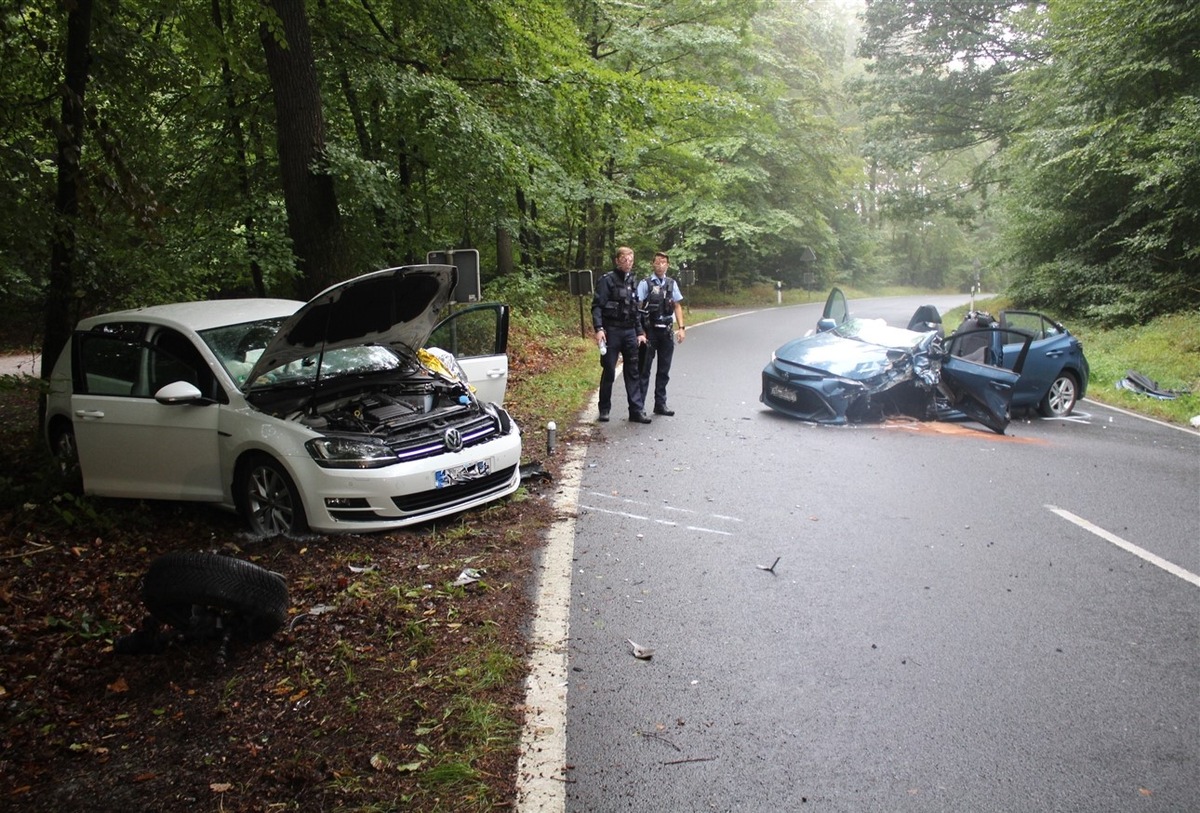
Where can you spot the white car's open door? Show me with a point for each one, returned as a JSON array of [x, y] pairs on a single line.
[[477, 336]]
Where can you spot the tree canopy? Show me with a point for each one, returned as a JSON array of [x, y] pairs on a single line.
[[1071, 129], [155, 151]]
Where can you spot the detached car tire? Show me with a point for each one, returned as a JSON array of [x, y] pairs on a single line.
[[269, 500], [253, 599], [1059, 400]]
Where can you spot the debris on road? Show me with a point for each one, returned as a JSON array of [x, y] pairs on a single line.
[[770, 569], [639, 651]]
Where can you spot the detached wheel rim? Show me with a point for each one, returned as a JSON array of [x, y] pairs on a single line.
[[1060, 400], [66, 453], [270, 501]]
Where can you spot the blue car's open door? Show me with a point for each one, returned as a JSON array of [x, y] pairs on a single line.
[[980, 391]]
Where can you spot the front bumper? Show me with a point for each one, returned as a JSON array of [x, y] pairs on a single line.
[[341, 500]]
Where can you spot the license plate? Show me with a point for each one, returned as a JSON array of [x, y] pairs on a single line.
[[783, 393], [463, 474]]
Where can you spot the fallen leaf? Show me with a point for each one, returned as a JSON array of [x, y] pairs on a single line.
[[118, 686], [220, 787]]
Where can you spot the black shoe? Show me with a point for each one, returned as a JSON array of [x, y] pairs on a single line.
[[639, 417], [664, 411], [603, 417]]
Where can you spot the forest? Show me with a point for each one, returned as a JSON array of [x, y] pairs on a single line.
[[158, 151]]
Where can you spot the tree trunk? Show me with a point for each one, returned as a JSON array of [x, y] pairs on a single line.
[[504, 252], [243, 168], [61, 279], [313, 220]]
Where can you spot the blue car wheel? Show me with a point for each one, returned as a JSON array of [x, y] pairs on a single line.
[[1059, 400]]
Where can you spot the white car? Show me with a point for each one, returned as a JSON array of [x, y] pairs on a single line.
[[330, 415]]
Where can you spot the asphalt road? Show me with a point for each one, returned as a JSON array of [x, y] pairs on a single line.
[[956, 620]]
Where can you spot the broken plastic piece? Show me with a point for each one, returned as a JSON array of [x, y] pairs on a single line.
[[468, 576], [1140, 384], [639, 651]]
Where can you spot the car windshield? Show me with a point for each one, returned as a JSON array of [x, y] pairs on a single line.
[[877, 331], [238, 347]]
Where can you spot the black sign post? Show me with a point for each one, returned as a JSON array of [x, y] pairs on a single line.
[[582, 284]]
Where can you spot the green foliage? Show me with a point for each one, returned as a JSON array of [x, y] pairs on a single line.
[[703, 126], [1165, 349], [1109, 198], [1086, 113]]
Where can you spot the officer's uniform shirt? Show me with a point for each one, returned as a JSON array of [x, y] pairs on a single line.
[[643, 293]]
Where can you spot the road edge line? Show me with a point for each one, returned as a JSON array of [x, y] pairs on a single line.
[[541, 783]]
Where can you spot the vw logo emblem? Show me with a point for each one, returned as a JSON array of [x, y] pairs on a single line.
[[453, 440]]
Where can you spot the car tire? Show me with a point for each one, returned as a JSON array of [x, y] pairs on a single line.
[[269, 500], [1059, 400], [253, 598]]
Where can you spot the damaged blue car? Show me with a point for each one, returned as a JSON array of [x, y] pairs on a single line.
[[1055, 373], [853, 370]]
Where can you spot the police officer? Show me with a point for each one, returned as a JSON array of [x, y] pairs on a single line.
[[660, 296], [619, 331]]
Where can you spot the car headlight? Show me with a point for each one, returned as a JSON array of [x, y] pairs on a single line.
[[349, 453]]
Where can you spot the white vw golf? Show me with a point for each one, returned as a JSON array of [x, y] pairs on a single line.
[[331, 415]]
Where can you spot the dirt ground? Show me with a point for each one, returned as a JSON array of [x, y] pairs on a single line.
[[388, 688]]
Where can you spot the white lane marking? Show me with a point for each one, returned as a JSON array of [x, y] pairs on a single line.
[[1157, 561], [542, 764], [652, 506], [666, 522], [1127, 413]]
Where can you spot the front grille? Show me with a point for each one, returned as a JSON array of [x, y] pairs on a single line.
[[443, 497], [431, 442], [802, 402]]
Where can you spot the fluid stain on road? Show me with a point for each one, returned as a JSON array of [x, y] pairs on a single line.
[[954, 430]]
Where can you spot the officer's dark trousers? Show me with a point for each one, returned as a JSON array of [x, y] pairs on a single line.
[[660, 344], [622, 342]]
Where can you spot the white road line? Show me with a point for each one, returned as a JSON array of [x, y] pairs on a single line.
[[641, 518], [1157, 561], [628, 501], [542, 765], [644, 504], [1127, 413]]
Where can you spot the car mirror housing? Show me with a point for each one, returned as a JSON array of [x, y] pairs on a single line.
[[826, 324], [180, 392]]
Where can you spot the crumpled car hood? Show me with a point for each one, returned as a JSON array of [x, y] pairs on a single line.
[[859, 349], [396, 308]]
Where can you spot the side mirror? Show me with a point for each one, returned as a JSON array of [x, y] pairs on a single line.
[[180, 392], [826, 324]]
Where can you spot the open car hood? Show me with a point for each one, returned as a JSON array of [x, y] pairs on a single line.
[[396, 308]]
